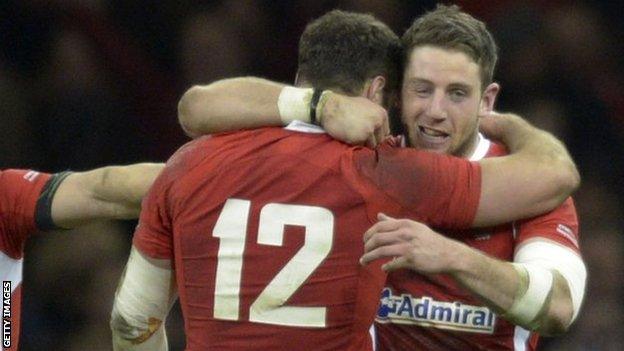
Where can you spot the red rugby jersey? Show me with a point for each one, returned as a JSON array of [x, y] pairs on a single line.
[[265, 229], [433, 313], [19, 194]]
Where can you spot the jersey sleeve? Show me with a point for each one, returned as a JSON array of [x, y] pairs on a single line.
[[20, 191], [153, 235], [441, 190], [560, 225]]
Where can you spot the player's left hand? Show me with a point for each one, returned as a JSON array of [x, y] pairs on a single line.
[[411, 244]]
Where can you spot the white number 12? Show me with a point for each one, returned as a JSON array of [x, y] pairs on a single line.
[[231, 229]]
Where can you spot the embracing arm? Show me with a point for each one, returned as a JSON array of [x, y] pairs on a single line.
[[542, 290], [113, 192], [531, 292], [230, 104], [143, 299], [537, 176], [248, 102]]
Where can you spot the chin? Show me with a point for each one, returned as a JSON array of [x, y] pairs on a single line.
[[437, 149]]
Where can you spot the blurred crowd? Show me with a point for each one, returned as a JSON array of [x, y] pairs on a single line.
[[88, 83]]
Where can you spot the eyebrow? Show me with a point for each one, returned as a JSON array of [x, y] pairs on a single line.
[[460, 86], [457, 85]]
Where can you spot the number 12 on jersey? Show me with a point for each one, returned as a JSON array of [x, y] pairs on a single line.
[[231, 229]]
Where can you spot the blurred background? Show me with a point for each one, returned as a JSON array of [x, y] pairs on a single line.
[[85, 83]]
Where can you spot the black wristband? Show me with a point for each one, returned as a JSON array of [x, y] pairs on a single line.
[[316, 96], [43, 209]]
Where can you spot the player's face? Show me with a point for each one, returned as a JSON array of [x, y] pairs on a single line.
[[442, 99]]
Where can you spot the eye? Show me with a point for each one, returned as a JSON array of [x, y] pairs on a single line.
[[458, 94], [422, 91]]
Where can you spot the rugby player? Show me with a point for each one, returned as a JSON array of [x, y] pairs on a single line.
[[32, 201], [261, 225], [449, 64], [464, 295]]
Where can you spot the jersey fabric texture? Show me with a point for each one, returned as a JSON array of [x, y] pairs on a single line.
[[433, 313], [265, 230]]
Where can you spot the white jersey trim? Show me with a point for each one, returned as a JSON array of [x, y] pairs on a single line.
[[303, 127], [11, 270], [483, 146], [521, 338]]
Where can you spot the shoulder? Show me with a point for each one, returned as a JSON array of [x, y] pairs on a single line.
[[560, 225]]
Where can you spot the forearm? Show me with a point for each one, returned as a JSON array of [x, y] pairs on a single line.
[[493, 281], [230, 104], [500, 286], [125, 185], [142, 301], [113, 192], [157, 342], [550, 154], [535, 178]]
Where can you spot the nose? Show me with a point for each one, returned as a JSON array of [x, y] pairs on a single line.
[[436, 109]]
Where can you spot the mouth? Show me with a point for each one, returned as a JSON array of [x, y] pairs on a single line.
[[433, 139], [433, 133]]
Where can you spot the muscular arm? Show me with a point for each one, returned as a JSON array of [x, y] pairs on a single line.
[[113, 192], [536, 177], [496, 283], [248, 102], [230, 104], [142, 301]]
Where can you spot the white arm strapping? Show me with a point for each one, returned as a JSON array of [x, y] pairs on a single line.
[[526, 307], [144, 296], [568, 263], [294, 104]]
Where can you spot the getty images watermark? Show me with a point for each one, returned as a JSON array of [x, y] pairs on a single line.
[[6, 313]]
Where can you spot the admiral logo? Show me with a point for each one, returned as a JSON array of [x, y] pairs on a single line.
[[428, 312], [6, 313]]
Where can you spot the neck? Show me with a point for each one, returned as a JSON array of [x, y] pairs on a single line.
[[469, 147]]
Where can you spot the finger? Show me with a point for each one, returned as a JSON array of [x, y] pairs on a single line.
[[385, 127], [384, 217], [378, 135], [396, 263], [382, 252], [489, 126], [380, 227], [382, 130], [386, 239]]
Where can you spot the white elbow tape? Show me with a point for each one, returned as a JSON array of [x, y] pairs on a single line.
[[527, 306], [565, 261], [294, 104], [142, 300]]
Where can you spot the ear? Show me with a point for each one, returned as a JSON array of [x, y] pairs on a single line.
[[488, 99], [375, 90]]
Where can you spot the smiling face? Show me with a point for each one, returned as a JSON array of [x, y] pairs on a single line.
[[442, 98]]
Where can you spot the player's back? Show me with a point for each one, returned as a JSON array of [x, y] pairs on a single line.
[[267, 233]]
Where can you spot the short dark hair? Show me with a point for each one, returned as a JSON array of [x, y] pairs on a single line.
[[344, 49], [448, 27]]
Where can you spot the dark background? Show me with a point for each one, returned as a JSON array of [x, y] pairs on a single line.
[[90, 83]]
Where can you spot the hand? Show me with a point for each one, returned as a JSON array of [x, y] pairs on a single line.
[[412, 244], [507, 128], [355, 120]]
